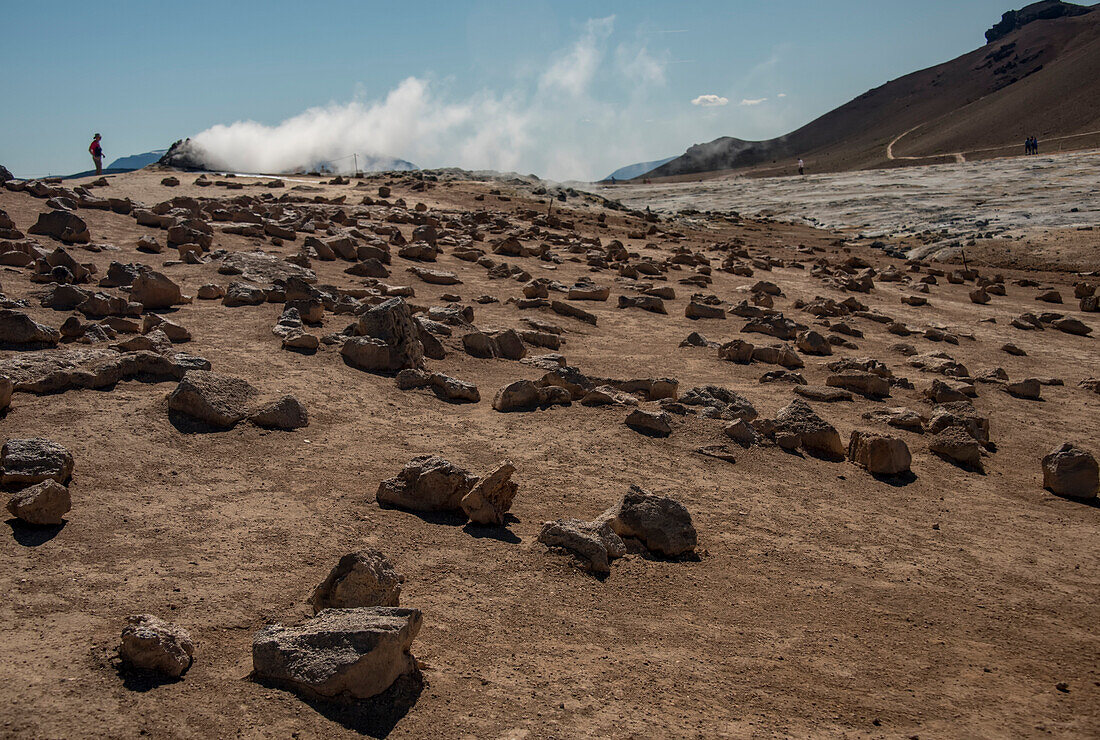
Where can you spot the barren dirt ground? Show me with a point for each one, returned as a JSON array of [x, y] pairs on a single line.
[[1046, 207], [824, 601]]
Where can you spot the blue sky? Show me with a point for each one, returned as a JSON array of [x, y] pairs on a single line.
[[563, 89]]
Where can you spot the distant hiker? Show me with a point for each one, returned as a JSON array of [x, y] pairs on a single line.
[[97, 154], [801, 167], [1034, 145], [1027, 145]]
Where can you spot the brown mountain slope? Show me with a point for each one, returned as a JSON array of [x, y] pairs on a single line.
[[1042, 79]]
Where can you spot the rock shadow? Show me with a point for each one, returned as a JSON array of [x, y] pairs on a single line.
[[374, 717], [33, 535], [379, 373], [897, 481], [444, 518], [187, 425], [494, 532], [1093, 503], [26, 346], [652, 434], [634, 546], [439, 393], [532, 408], [141, 681], [979, 468], [825, 456]]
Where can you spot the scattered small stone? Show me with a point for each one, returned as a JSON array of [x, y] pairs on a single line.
[[342, 655], [1069, 470], [152, 644], [654, 424], [285, 413], [743, 433], [34, 460], [44, 504], [427, 483], [361, 579], [491, 497], [662, 524], [1029, 389], [525, 395], [899, 417], [825, 394], [955, 445], [799, 424], [218, 400], [594, 544], [879, 453]]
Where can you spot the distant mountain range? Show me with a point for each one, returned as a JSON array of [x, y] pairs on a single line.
[[137, 161], [124, 164], [636, 170], [1039, 76]]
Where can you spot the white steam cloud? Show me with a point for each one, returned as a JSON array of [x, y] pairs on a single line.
[[710, 101], [557, 125]]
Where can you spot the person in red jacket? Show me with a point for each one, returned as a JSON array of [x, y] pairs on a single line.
[[97, 154]]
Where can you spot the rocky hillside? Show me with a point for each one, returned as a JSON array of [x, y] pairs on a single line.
[[1040, 77]]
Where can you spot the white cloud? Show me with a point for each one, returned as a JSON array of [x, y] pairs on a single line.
[[573, 72], [640, 65], [710, 101], [781, 95], [753, 101]]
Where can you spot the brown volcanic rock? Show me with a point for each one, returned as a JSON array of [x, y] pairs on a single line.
[[427, 483], [151, 644], [218, 400], [1071, 471], [339, 655], [365, 578], [879, 453], [62, 225], [44, 504], [34, 460]]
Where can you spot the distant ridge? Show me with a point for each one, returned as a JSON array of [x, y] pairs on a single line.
[[137, 161], [1041, 77], [636, 170], [1046, 10]]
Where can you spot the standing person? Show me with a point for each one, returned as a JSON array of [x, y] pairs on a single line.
[[97, 154], [1034, 144], [801, 167]]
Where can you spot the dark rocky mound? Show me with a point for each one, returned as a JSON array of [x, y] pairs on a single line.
[[184, 155], [5, 174], [1041, 11]]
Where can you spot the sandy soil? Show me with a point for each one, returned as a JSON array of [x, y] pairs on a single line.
[[824, 602], [1037, 201]]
